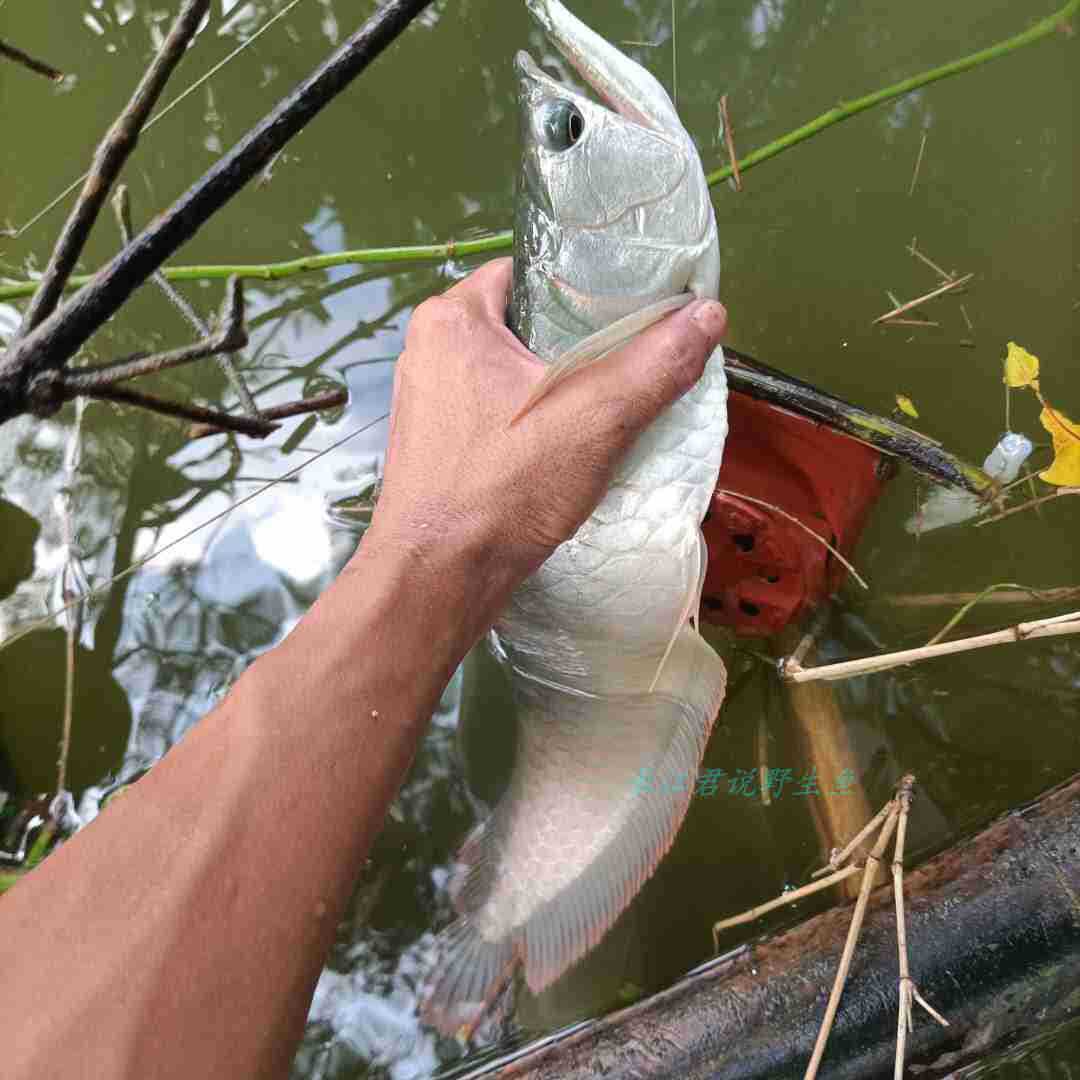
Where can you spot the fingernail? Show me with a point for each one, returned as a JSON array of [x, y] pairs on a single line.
[[711, 316]]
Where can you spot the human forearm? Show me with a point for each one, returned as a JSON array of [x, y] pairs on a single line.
[[195, 913], [181, 933]]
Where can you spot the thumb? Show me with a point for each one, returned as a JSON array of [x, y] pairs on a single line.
[[659, 365]]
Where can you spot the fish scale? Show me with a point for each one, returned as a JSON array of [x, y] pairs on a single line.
[[611, 681]]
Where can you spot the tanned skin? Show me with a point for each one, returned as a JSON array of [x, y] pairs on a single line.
[[181, 933]]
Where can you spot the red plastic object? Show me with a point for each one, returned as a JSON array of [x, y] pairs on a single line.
[[764, 570]]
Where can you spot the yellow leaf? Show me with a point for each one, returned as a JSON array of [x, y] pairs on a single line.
[[907, 406], [1021, 368], [1065, 470]]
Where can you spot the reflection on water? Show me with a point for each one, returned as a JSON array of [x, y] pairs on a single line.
[[423, 148]]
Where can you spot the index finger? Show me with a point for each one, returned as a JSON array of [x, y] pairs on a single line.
[[487, 289]]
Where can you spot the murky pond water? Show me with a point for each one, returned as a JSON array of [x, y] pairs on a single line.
[[422, 148]]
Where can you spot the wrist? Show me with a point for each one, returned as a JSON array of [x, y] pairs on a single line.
[[416, 598]]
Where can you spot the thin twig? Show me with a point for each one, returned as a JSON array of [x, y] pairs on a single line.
[[911, 322], [109, 158], [229, 337], [122, 208], [72, 588], [28, 61], [918, 165], [870, 872], [316, 403], [781, 901], [956, 283], [1031, 487], [913, 250], [967, 320], [783, 513], [729, 141], [1056, 626], [256, 427], [813, 632], [1028, 505]]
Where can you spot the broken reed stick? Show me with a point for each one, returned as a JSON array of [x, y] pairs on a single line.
[[911, 249], [1018, 595], [821, 540], [109, 158], [911, 322], [840, 855], [1051, 627], [918, 165], [908, 990], [780, 901], [30, 62], [869, 873], [729, 141], [956, 283]]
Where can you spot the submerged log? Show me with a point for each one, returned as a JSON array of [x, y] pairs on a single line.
[[993, 928]]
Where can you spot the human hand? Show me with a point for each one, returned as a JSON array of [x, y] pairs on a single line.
[[459, 476]]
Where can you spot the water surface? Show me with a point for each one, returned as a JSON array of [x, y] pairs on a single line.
[[423, 148]]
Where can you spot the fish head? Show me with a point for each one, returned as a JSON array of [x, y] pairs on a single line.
[[611, 197], [585, 165]]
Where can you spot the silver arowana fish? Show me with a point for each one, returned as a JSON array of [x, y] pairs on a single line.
[[616, 690]]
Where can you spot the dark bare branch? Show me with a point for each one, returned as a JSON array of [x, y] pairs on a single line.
[[241, 425], [109, 158], [317, 402], [51, 343], [28, 61], [229, 337]]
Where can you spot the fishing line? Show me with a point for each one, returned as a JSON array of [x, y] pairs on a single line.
[[92, 594], [674, 62], [158, 116]]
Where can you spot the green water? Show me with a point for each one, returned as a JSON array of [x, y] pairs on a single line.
[[422, 148]]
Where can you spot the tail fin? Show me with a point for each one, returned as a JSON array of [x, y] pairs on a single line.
[[599, 790]]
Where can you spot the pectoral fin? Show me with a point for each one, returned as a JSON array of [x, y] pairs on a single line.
[[597, 346]]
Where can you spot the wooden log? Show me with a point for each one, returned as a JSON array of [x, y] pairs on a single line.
[[994, 941]]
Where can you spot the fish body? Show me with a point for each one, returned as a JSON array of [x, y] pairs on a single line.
[[616, 691]]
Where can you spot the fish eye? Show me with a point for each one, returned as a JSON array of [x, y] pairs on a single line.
[[561, 125]]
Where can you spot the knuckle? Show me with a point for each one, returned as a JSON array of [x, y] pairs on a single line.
[[439, 314]]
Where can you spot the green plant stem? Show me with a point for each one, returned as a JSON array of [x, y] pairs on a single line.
[[1043, 28], [502, 241], [272, 271]]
